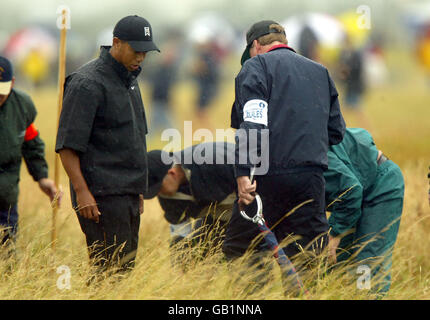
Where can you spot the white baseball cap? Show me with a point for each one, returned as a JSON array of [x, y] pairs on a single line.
[[6, 75]]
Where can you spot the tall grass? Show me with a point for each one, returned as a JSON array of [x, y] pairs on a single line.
[[398, 118], [32, 273]]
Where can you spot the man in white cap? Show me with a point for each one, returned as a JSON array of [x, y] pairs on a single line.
[[19, 139]]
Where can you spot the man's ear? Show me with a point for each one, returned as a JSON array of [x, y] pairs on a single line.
[[116, 42], [13, 82], [256, 45]]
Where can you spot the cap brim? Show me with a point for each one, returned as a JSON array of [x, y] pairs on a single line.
[[5, 87], [157, 170], [143, 46], [245, 55]]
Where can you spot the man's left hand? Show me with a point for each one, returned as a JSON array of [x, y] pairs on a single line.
[[49, 188], [246, 190], [333, 244]]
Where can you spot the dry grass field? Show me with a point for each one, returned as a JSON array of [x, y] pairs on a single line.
[[398, 116]]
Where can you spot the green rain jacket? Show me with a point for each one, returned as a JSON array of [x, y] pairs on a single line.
[[18, 139], [354, 180]]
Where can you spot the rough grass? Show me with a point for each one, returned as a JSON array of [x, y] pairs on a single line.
[[397, 115]]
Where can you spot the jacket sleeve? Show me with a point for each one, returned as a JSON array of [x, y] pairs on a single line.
[[33, 152], [336, 123], [344, 196], [178, 211], [33, 148], [250, 110], [82, 97]]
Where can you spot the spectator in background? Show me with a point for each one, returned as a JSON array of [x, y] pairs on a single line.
[[352, 75], [423, 49], [35, 67], [375, 67], [351, 72], [308, 43], [206, 74], [163, 78]]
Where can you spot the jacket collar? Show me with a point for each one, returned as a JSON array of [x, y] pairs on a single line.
[[12, 92], [281, 46], [125, 75]]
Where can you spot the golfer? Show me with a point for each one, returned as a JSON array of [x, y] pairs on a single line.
[[102, 144], [364, 192], [295, 100], [196, 194], [19, 138]]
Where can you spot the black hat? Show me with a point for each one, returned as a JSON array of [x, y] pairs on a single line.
[[157, 170], [137, 32], [6, 75], [257, 30]]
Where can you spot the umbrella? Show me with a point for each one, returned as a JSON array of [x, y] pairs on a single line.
[[29, 39], [33, 50], [211, 27], [328, 31], [357, 34], [104, 38]]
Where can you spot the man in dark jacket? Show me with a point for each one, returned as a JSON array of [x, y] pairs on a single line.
[[19, 138], [197, 186], [102, 144], [292, 101], [196, 189]]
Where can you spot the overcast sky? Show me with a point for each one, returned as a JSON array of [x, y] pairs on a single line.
[[91, 17], [170, 11]]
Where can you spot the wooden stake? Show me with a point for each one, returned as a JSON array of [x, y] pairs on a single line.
[[61, 79]]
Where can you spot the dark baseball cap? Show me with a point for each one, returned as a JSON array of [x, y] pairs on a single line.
[[257, 30], [137, 32], [157, 170], [6, 75]]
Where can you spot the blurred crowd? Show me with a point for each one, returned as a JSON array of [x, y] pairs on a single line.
[[199, 53]]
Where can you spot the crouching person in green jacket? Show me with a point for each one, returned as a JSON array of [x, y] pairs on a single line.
[[364, 193]]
